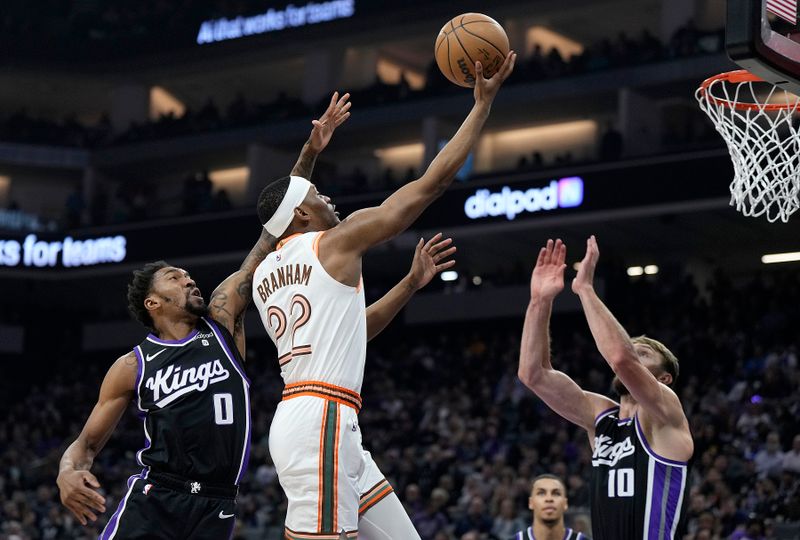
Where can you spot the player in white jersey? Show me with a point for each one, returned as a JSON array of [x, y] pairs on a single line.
[[310, 296]]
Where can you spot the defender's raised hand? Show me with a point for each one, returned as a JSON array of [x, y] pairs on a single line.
[[486, 89], [429, 260], [584, 281], [337, 112], [547, 279]]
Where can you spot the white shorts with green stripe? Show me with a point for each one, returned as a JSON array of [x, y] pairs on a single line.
[[328, 478]]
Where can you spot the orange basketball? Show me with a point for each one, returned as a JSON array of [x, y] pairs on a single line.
[[467, 39]]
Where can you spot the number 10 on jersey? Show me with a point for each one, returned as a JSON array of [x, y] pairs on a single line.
[[620, 483]]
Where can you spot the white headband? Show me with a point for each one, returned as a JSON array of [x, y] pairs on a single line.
[[280, 220]]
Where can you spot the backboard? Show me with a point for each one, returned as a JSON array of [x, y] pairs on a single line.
[[763, 37]]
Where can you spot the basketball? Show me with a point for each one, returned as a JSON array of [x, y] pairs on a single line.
[[466, 39]]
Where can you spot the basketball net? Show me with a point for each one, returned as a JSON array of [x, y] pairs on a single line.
[[756, 119]]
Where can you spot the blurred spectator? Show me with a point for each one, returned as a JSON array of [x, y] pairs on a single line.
[[753, 530], [221, 201], [769, 460], [197, 193], [791, 460], [610, 144], [74, 208], [507, 522], [432, 520], [475, 519]]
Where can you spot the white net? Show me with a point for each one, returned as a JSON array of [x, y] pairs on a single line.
[[756, 119]]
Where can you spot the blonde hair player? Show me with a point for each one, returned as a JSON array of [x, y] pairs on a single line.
[[642, 444], [548, 502], [310, 296]]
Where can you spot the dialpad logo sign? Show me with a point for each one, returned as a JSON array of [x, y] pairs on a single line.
[[563, 193]]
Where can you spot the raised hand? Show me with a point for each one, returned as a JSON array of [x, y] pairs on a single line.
[[337, 112], [584, 281], [428, 259], [486, 89], [547, 279], [78, 494]]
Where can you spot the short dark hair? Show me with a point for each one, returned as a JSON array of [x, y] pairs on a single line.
[[139, 287], [270, 198], [548, 476]]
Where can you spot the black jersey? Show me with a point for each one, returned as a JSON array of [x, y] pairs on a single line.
[[636, 494], [194, 397], [569, 534]]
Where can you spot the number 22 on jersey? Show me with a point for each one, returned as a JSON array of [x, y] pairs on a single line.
[[279, 322]]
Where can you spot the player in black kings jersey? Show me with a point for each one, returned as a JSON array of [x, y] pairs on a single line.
[[548, 502], [187, 381], [641, 444]]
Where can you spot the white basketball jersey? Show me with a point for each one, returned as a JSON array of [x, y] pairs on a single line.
[[318, 324]]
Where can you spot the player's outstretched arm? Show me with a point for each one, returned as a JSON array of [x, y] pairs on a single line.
[[372, 226], [76, 484], [429, 259], [656, 399], [554, 387], [231, 298]]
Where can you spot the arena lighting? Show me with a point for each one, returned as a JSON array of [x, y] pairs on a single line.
[[450, 275], [503, 148], [476, 280], [5, 186], [403, 155], [651, 269], [163, 102], [549, 39], [772, 258], [634, 271], [391, 72], [233, 181]]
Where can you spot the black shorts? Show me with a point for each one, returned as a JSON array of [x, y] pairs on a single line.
[[150, 511]]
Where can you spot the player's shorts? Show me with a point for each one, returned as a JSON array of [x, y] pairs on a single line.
[[328, 478], [152, 511]]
